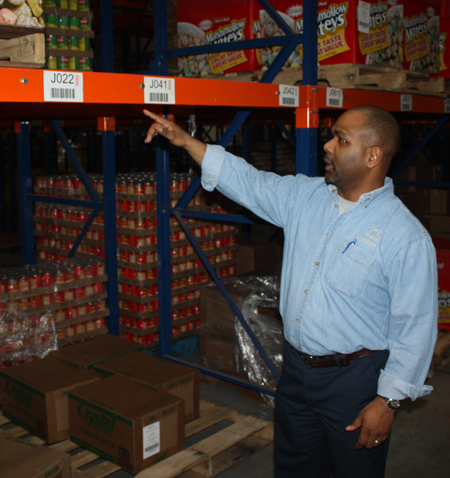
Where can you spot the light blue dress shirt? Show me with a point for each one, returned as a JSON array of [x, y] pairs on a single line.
[[364, 279]]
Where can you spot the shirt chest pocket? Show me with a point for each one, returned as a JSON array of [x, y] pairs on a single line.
[[349, 272]]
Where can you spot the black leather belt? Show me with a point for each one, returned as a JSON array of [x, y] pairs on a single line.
[[335, 360]]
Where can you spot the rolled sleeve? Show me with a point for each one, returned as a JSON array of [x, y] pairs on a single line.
[[211, 166], [413, 321]]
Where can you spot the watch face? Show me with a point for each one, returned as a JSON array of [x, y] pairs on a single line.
[[393, 404]]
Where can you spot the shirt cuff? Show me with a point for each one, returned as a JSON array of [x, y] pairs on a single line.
[[211, 166], [390, 386]]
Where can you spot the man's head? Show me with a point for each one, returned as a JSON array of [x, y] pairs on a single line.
[[365, 139]]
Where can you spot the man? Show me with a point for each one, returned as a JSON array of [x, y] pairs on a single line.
[[358, 294]]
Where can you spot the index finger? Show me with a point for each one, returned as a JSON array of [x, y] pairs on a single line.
[[154, 116]]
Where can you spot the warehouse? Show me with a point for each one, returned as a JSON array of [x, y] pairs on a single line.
[[148, 297]]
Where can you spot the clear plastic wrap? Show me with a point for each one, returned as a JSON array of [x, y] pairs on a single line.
[[260, 310]]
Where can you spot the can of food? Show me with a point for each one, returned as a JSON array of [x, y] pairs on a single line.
[[52, 62], [80, 273], [84, 4], [52, 21], [74, 43], [64, 22], [74, 63], [85, 23], [73, 4], [85, 64], [84, 44], [75, 23], [51, 41], [63, 63], [63, 42]]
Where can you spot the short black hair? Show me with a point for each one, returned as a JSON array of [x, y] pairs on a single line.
[[384, 127]]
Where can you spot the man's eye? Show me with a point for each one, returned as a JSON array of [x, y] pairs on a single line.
[[341, 140]]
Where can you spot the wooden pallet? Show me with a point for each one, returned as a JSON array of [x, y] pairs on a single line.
[[354, 76], [22, 47], [206, 458]]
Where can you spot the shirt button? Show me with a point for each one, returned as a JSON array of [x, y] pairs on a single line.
[[329, 234], [317, 263], [298, 347], [336, 205], [297, 321], [306, 291]]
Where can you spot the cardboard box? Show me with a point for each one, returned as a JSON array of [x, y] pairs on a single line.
[[34, 396], [204, 23], [85, 355], [421, 26], [126, 422], [254, 256], [161, 375], [19, 459], [345, 35], [217, 335]]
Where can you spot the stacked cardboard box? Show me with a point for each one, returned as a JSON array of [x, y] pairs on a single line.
[[34, 396], [126, 422], [56, 227], [160, 375], [123, 405]]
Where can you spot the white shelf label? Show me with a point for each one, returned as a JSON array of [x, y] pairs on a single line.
[[363, 17], [151, 440], [447, 105], [289, 95], [159, 90], [335, 97], [406, 102], [63, 86]]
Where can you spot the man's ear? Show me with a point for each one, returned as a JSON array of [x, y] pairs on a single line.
[[374, 157]]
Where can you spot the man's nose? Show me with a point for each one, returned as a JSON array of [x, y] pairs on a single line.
[[328, 146]]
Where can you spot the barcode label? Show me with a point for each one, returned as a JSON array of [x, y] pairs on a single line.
[[335, 97], [151, 447], [159, 97], [61, 93], [406, 103], [364, 17], [289, 95], [447, 105], [63, 86], [334, 102], [151, 439], [289, 101], [159, 90]]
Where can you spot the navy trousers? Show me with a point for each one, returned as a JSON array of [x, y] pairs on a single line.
[[312, 408]]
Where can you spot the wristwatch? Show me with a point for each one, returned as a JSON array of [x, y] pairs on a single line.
[[391, 402]]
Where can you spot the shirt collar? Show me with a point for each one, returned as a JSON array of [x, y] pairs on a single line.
[[371, 196]]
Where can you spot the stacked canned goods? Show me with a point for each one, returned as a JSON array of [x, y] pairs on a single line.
[[43, 304], [68, 24], [57, 227]]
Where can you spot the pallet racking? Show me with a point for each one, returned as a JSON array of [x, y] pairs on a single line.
[[114, 98]]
